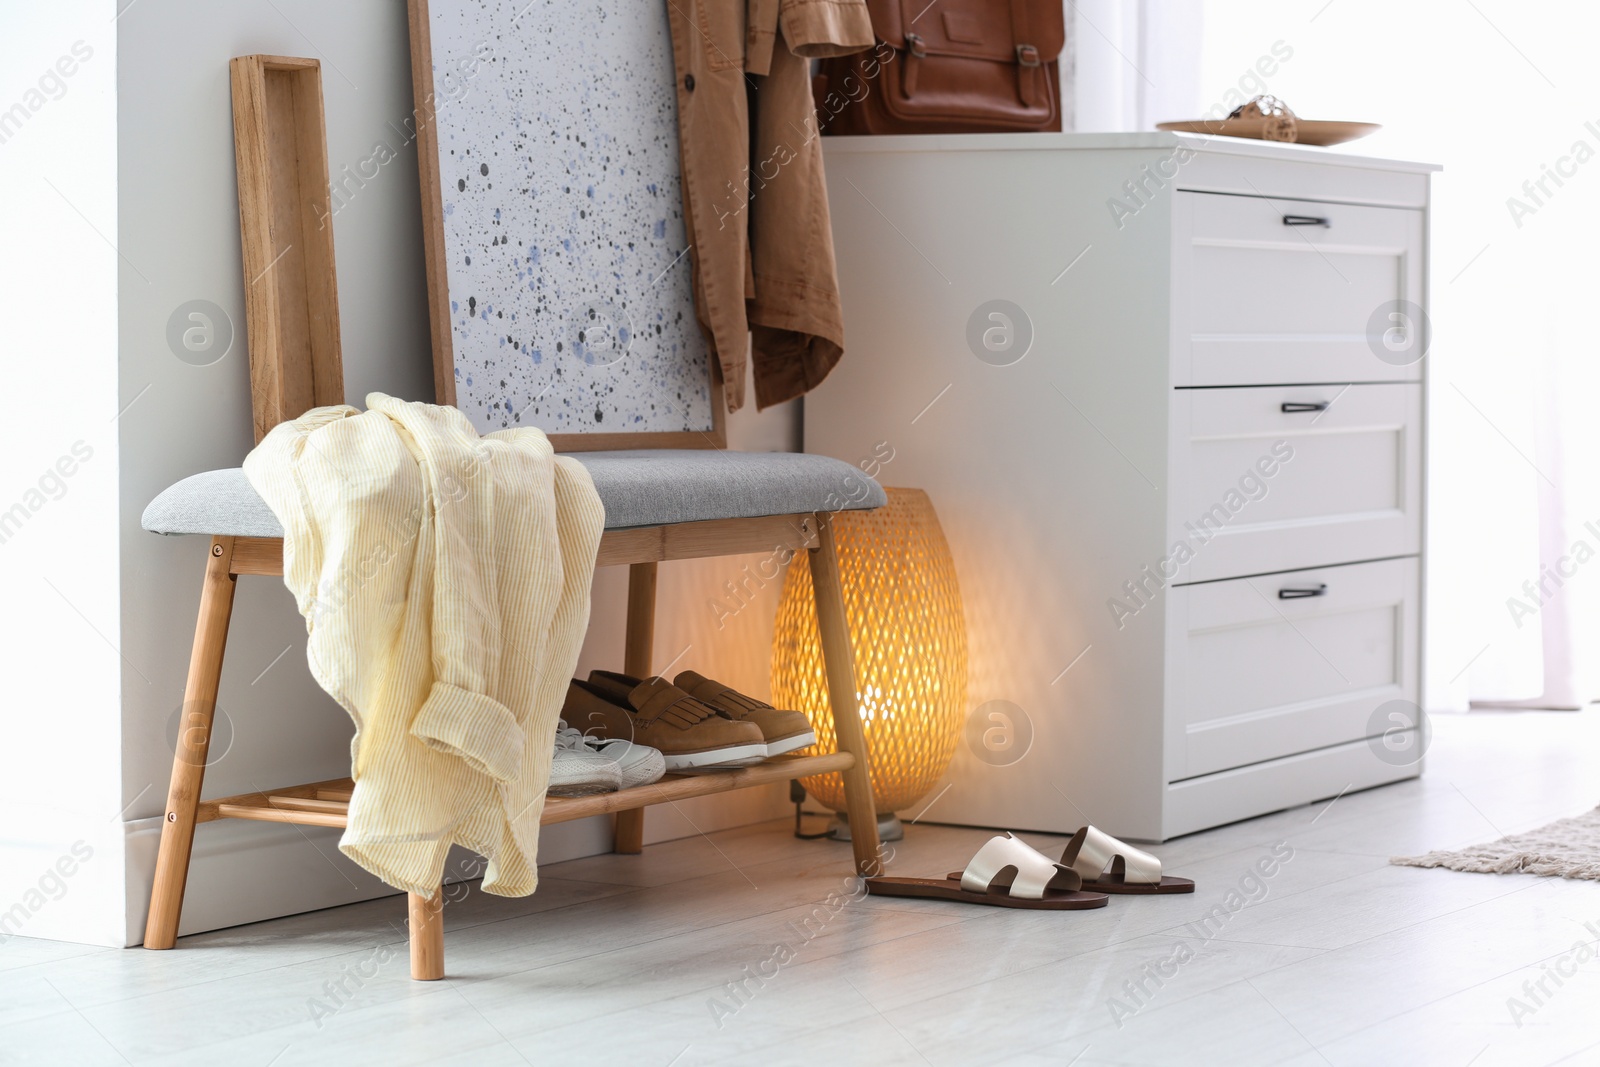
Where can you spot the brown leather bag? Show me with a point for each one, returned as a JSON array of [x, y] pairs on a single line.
[[948, 66]]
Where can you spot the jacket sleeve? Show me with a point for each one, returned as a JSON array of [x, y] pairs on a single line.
[[816, 29], [460, 717]]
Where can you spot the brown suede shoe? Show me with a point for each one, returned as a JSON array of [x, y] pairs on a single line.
[[783, 731], [689, 734]]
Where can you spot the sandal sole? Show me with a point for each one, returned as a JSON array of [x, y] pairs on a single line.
[[933, 889], [1169, 886]]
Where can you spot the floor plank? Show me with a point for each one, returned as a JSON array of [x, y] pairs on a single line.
[[749, 946]]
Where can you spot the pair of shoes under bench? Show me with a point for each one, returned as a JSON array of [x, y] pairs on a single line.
[[690, 735], [728, 729], [778, 732], [583, 765]]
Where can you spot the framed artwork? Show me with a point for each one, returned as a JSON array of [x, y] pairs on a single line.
[[559, 290]]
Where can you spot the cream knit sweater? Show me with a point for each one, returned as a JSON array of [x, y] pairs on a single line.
[[445, 580]]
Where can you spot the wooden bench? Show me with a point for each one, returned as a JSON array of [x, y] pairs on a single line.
[[660, 505]]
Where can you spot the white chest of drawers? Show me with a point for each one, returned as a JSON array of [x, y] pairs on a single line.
[[1181, 466]]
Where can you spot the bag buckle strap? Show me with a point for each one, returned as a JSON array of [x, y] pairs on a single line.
[[1030, 81], [917, 49]]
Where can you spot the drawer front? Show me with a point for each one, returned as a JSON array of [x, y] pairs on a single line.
[[1259, 302], [1246, 170], [1267, 479], [1253, 676]]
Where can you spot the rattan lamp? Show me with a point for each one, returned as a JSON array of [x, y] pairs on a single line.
[[910, 639]]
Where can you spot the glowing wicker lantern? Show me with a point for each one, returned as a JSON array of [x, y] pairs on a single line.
[[906, 624]]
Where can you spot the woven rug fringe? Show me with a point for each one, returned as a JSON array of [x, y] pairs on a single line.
[[1569, 848]]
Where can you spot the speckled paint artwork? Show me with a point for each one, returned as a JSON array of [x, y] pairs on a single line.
[[566, 255]]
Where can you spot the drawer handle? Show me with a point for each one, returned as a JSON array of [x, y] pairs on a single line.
[[1290, 408], [1302, 593], [1307, 220]]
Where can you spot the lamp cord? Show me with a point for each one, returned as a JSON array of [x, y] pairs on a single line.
[[803, 836], [797, 793]]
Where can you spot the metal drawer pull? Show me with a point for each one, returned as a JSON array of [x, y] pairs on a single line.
[[1301, 594], [1290, 408], [1307, 220]]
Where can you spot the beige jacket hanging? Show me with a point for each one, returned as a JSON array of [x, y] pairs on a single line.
[[444, 579], [755, 200]]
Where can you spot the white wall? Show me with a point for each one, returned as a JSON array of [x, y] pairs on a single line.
[[179, 225], [1137, 63], [58, 535]]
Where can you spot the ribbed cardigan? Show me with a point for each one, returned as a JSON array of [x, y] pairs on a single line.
[[444, 578]]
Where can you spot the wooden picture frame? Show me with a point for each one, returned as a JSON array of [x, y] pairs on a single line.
[[291, 291], [442, 324]]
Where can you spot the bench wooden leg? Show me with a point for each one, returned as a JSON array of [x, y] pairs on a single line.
[[839, 659], [194, 743], [628, 834], [637, 660], [427, 936]]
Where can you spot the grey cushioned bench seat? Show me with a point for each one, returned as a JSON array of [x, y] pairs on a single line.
[[638, 488]]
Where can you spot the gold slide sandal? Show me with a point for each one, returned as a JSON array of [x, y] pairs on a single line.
[[1106, 865], [1005, 873]]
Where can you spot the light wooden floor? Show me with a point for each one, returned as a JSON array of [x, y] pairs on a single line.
[[1342, 959]]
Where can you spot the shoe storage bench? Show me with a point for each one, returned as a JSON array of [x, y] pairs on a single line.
[[703, 503]]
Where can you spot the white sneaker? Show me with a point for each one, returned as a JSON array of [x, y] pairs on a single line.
[[578, 769], [641, 764]]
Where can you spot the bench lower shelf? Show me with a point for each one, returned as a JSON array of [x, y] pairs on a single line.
[[327, 803]]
